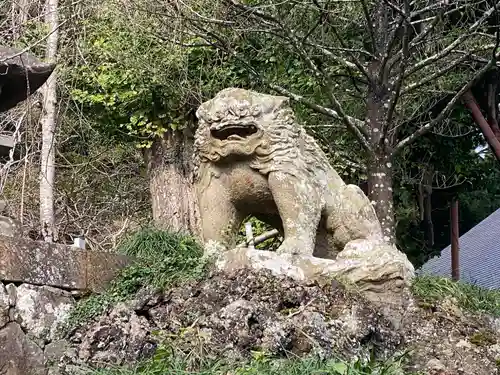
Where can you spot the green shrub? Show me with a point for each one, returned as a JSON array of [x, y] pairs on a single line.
[[163, 259]]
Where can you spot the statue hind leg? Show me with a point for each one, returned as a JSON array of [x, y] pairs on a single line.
[[350, 217]]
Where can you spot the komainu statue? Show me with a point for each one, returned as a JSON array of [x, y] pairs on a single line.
[[21, 74], [252, 158]]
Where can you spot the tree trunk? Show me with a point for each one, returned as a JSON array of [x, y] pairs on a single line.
[[380, 166], [48, 122], [380, 194], [171, 183]]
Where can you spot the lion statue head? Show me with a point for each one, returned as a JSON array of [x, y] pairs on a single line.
[[239, 123]]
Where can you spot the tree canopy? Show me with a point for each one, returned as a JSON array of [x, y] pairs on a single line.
[[377, 83]]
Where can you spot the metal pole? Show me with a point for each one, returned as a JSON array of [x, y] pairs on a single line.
[[455, 265]]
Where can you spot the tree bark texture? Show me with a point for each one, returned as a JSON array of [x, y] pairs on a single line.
[[173, 196], [380, 194], [48, 122], [380, 166]]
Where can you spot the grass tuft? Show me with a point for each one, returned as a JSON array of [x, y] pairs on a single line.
[[469, 297], [166, 362], [163, 259]]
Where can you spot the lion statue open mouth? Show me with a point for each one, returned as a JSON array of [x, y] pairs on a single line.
[[252, 158]]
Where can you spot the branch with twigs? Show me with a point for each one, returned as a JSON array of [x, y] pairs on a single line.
[[298, 43], [458, 96]]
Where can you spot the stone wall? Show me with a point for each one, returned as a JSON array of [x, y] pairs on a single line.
[[39, 284], [29, 316]]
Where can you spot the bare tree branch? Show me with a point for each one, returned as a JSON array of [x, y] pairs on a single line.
[[402, 67], [413, 86], [444, 52], [427, 127]]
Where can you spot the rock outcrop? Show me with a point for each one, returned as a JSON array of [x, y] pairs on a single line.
[[231, 314]]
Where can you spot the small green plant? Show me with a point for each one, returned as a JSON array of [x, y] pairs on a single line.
[[469, 297], [169, 360], [163, 259], [483, 338]]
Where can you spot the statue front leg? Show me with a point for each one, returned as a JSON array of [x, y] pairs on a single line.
[[300, 211], [220, 220]]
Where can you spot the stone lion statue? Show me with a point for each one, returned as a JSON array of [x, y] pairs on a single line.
[[252, 158]]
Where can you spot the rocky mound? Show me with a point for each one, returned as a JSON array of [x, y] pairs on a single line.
[[231, 315]]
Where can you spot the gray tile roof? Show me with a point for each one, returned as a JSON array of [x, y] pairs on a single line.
[[479, 255]]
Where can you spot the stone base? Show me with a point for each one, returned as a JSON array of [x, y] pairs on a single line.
[[379, 271]]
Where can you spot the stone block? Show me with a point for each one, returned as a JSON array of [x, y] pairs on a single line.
[[40, 309], [18, 354], [40, 263], [102, 268], [60, 266]]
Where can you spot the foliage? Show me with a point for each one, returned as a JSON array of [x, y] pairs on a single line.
[[126, 74], [155, 85], [163, 259], [362, 65], [322, 53], [132, 91], [259, 228], [165, 362], [139, 92], [468, 297]]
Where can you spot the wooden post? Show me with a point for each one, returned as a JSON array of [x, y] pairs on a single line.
[[455, 265], [478, 117], [79, 242], [249, 235]]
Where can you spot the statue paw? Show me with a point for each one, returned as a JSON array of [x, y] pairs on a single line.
[[294, 248]]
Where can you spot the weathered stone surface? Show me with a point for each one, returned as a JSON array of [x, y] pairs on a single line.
[[62, 266], [42, 263], [40, 309], [18, 72], [4, 306], [19, 355], [444, 338], [12, 292], [385, 264], [123, 336], [57, 351], [10, 227], [252, 158], [102, 268], [231, 314]]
